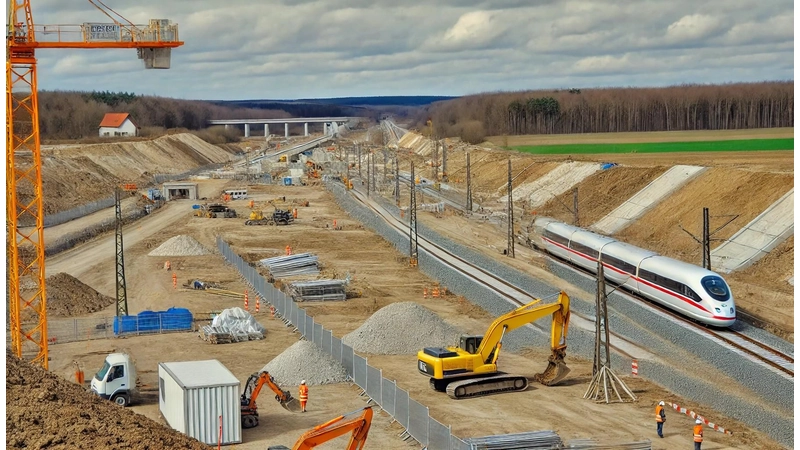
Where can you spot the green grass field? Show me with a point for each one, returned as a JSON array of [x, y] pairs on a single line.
[[745, 145]]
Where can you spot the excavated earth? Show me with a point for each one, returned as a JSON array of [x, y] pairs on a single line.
[[44, 411], [380, 277]]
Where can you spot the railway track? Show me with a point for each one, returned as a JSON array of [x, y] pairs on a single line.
[[513, 294], [760, 352]]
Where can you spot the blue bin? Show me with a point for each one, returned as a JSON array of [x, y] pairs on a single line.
[[287, 181], [149, 321], [127, 324], [606, 166]]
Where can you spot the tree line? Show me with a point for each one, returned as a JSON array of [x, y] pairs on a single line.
[[77, 115], [685, 107]]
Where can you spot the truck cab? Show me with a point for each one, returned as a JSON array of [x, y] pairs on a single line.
[[116, 380]]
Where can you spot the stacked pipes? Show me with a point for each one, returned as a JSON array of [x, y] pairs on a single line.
[[320, 290], [291, 265]]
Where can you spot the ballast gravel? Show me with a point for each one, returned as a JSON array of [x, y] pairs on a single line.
[[304, 360], [180, 245], [401, 328]]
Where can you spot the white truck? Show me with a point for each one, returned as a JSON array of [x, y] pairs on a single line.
[[116, 380]]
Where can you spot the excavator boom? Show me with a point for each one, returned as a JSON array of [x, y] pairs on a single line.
[[350, 422], [470, 370], [251, 390]]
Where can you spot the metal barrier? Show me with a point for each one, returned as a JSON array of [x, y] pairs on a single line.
[[61, 331], [374, 381]]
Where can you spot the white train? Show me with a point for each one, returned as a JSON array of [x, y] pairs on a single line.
[[691, 290]]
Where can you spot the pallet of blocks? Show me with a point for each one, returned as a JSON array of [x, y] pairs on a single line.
[[233, 325]]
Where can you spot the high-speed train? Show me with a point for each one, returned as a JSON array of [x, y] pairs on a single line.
[[688, 289]]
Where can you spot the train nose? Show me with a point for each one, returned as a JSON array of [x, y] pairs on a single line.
[[726, 310]]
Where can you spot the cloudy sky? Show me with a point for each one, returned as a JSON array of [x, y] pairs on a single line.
[[335, 48]]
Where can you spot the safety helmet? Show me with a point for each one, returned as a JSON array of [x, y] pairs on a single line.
[[698, 421], [303, 382], [661, 403]]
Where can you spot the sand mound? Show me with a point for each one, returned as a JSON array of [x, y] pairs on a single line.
[[68, 296], [180, 245], [401, 328], [44, 410], [304, 360]]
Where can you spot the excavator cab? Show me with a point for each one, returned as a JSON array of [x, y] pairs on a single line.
[[470, 344]]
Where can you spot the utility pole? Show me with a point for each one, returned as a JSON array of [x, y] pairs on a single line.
[[396, 181], [374, 177], [122, 292], [413, 254], [510, 249], [705, 241], [368, 154], [347, 168], [358, 149], [604, 381], [575, 206], [444, 161], [469, 187]]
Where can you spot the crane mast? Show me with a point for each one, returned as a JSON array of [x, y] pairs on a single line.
[[24, 197]]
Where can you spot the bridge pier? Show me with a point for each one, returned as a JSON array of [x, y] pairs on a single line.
[[286, 130], [325, 129], [247, 130], [306, 128], [226, 126], [266, 131]]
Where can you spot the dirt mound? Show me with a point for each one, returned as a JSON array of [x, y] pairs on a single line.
[[304, 360], [67, 296], [180, 245], [401, 328], [46, 411]]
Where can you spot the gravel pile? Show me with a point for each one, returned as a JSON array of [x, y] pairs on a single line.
[[401, 328], [180, 245], [304, 360]]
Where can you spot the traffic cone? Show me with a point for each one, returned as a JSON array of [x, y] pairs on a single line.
[[334, 224], [246, 303], [425, 293], [174, 280], [435, 292], [272, 310]]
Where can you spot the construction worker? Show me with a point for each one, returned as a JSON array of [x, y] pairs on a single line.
[[303, 395], [661, 417], [698, 434]]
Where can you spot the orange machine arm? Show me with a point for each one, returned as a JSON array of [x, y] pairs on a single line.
[[259, 380], [332, 429]]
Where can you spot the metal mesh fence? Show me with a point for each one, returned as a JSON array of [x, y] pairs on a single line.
[[347, 360], [336, 349], [401, 407], [60, 331], [374, 384], [51, 220], [388, 389], [360, 371], [318, 335], [438, 435], [418, 421], [326, 342]]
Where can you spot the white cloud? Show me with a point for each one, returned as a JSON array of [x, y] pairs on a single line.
[[316, 48]]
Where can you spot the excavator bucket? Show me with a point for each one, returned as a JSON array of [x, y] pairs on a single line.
[[291, 404], [556, 369]]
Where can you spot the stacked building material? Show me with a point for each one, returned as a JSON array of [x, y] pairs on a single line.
[[534, 440], [233, 325], [317, 291], [589, 444], [291, 265]]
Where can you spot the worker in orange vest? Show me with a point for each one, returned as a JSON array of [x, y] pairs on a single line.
[[303, 395], [661, 417], [698, 434]]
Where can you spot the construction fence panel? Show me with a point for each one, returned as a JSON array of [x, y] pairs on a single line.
[[360, 371], [458, 444], [401, 407], [438, 435], [326, 341], [61, 331], [347, 360], [374, 377], [418, 421], [301, 321], [388, 389], [294, 316], [318, 334], [336, 349], [309, 331]]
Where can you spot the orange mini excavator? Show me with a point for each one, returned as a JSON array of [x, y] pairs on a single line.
[[251, 390], [357, 422]]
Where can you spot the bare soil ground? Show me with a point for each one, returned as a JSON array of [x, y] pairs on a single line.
[[382, 276]]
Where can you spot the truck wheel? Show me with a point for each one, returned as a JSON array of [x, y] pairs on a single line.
[[249, 421], [121, 400]]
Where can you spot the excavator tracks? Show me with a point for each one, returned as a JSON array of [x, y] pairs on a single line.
[[475, 387]]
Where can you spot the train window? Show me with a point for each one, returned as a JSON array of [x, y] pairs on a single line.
[[619, 264], [716, 287], [555, 237], [647, 275], [586, 250], [670, 284]]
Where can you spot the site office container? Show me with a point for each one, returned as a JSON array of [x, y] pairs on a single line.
[[197, 397]]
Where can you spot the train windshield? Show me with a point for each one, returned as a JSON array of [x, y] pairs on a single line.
[[716, 288]]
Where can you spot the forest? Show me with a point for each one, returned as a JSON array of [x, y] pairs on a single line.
[[686, 107], [76, 115]]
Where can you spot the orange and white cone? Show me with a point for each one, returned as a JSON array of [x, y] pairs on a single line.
[[246, 303]]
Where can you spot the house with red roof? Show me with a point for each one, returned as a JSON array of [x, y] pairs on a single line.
[[118, 124]]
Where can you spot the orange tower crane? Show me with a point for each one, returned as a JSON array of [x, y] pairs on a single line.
[[24, 199]]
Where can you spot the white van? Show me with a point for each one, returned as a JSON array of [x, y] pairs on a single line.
[[236, 194]]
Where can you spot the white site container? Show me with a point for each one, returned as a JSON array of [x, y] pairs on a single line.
[[192, 395]]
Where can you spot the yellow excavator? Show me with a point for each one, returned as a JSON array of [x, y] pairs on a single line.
[[357, 422], [470, 370], [251, 390]]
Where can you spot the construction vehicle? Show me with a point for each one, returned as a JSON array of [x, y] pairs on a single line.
[[470, 370], [214, 210], [350, 422], [279, 217], [116, 380], [251, 390]]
